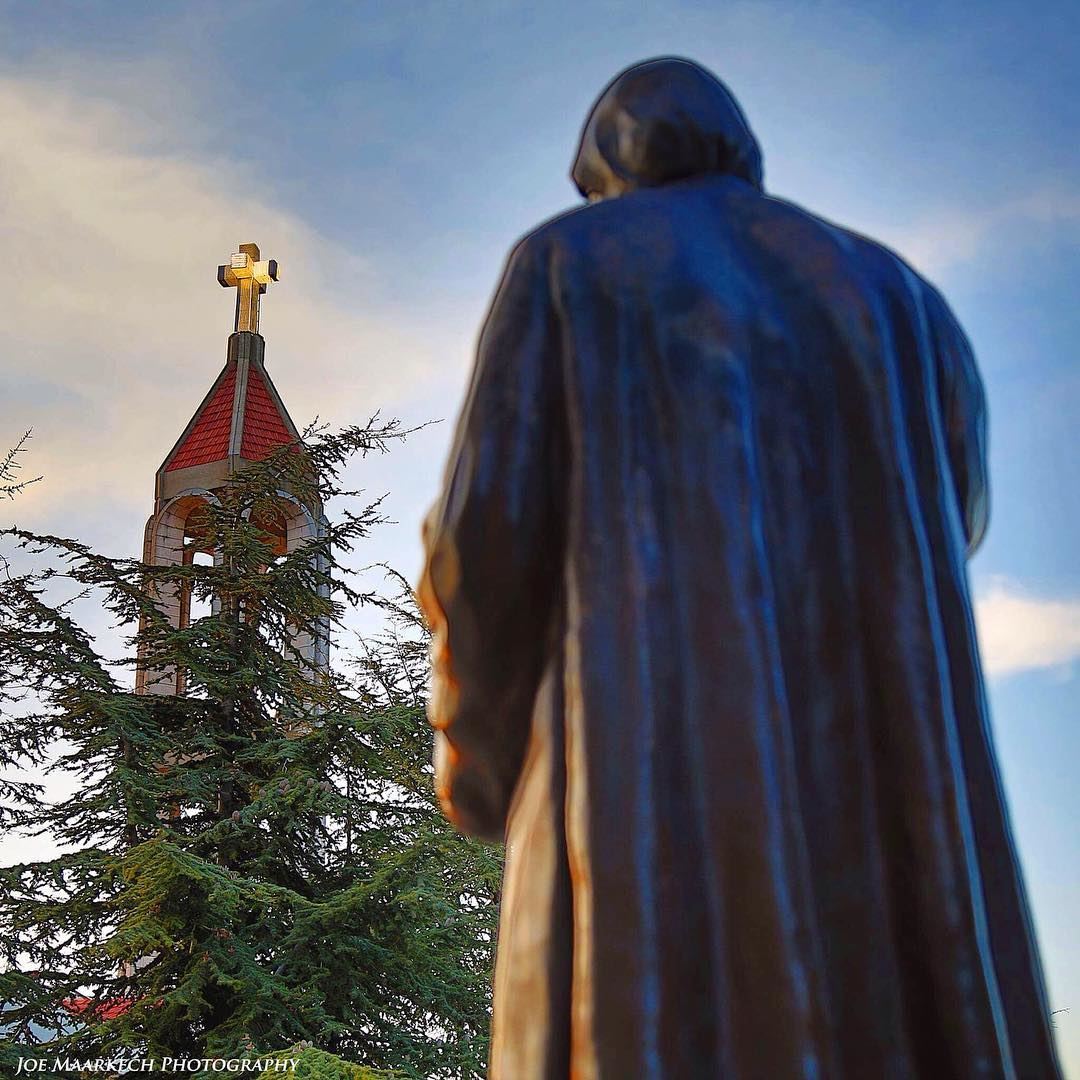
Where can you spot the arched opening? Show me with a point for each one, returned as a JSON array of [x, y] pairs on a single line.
[[198, 550], [173, 536], [181, 534], [199, 606], [273, 523]]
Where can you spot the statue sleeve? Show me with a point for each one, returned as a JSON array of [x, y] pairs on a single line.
[[963, 409], [492, 580]]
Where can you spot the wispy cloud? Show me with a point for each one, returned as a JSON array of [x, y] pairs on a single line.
[[940, 240], [1020, 632], [114, 325]]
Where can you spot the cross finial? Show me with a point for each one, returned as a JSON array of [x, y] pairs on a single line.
[[249, 276]]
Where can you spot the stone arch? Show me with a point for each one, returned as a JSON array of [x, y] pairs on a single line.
[[173, 536]]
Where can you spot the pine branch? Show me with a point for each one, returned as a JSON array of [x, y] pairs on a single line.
[[10, 466], [259, 861]]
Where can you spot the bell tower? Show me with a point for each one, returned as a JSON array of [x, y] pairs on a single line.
[[241, 420]]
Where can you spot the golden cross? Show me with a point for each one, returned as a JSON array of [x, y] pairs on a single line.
[[249, 277]]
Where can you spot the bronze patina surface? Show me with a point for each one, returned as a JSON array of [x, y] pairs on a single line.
[[704, 642]]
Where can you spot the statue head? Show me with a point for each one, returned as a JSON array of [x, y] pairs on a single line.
[[659, 121]]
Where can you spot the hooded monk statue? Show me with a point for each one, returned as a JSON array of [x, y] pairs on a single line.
[[703, 639]]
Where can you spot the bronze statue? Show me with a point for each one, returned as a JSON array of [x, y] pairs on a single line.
[[704, 645]]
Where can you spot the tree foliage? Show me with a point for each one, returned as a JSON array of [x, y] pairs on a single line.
[[261, 860]]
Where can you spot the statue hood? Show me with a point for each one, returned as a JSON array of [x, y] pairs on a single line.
[[663, 120]]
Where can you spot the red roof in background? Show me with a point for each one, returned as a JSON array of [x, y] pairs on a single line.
[[264, 427], [108, 1009], [208, 440]]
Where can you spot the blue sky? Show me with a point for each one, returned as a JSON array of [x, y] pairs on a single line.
[[389, 155]]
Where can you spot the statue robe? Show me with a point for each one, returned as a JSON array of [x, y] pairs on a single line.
[[705, 656]]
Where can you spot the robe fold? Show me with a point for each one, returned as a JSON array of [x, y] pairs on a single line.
[[703, 638]]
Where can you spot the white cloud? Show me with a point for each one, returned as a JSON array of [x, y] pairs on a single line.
[[939, 241], [114, 325], [1019, 632]]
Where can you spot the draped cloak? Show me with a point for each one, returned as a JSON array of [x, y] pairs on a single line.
[[703, 639]]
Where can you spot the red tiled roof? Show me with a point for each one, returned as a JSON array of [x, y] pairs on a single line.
[[264, 427], [108, 1009], [208, 440]]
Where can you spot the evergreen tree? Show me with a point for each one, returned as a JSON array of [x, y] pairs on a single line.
[[260, 861]]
